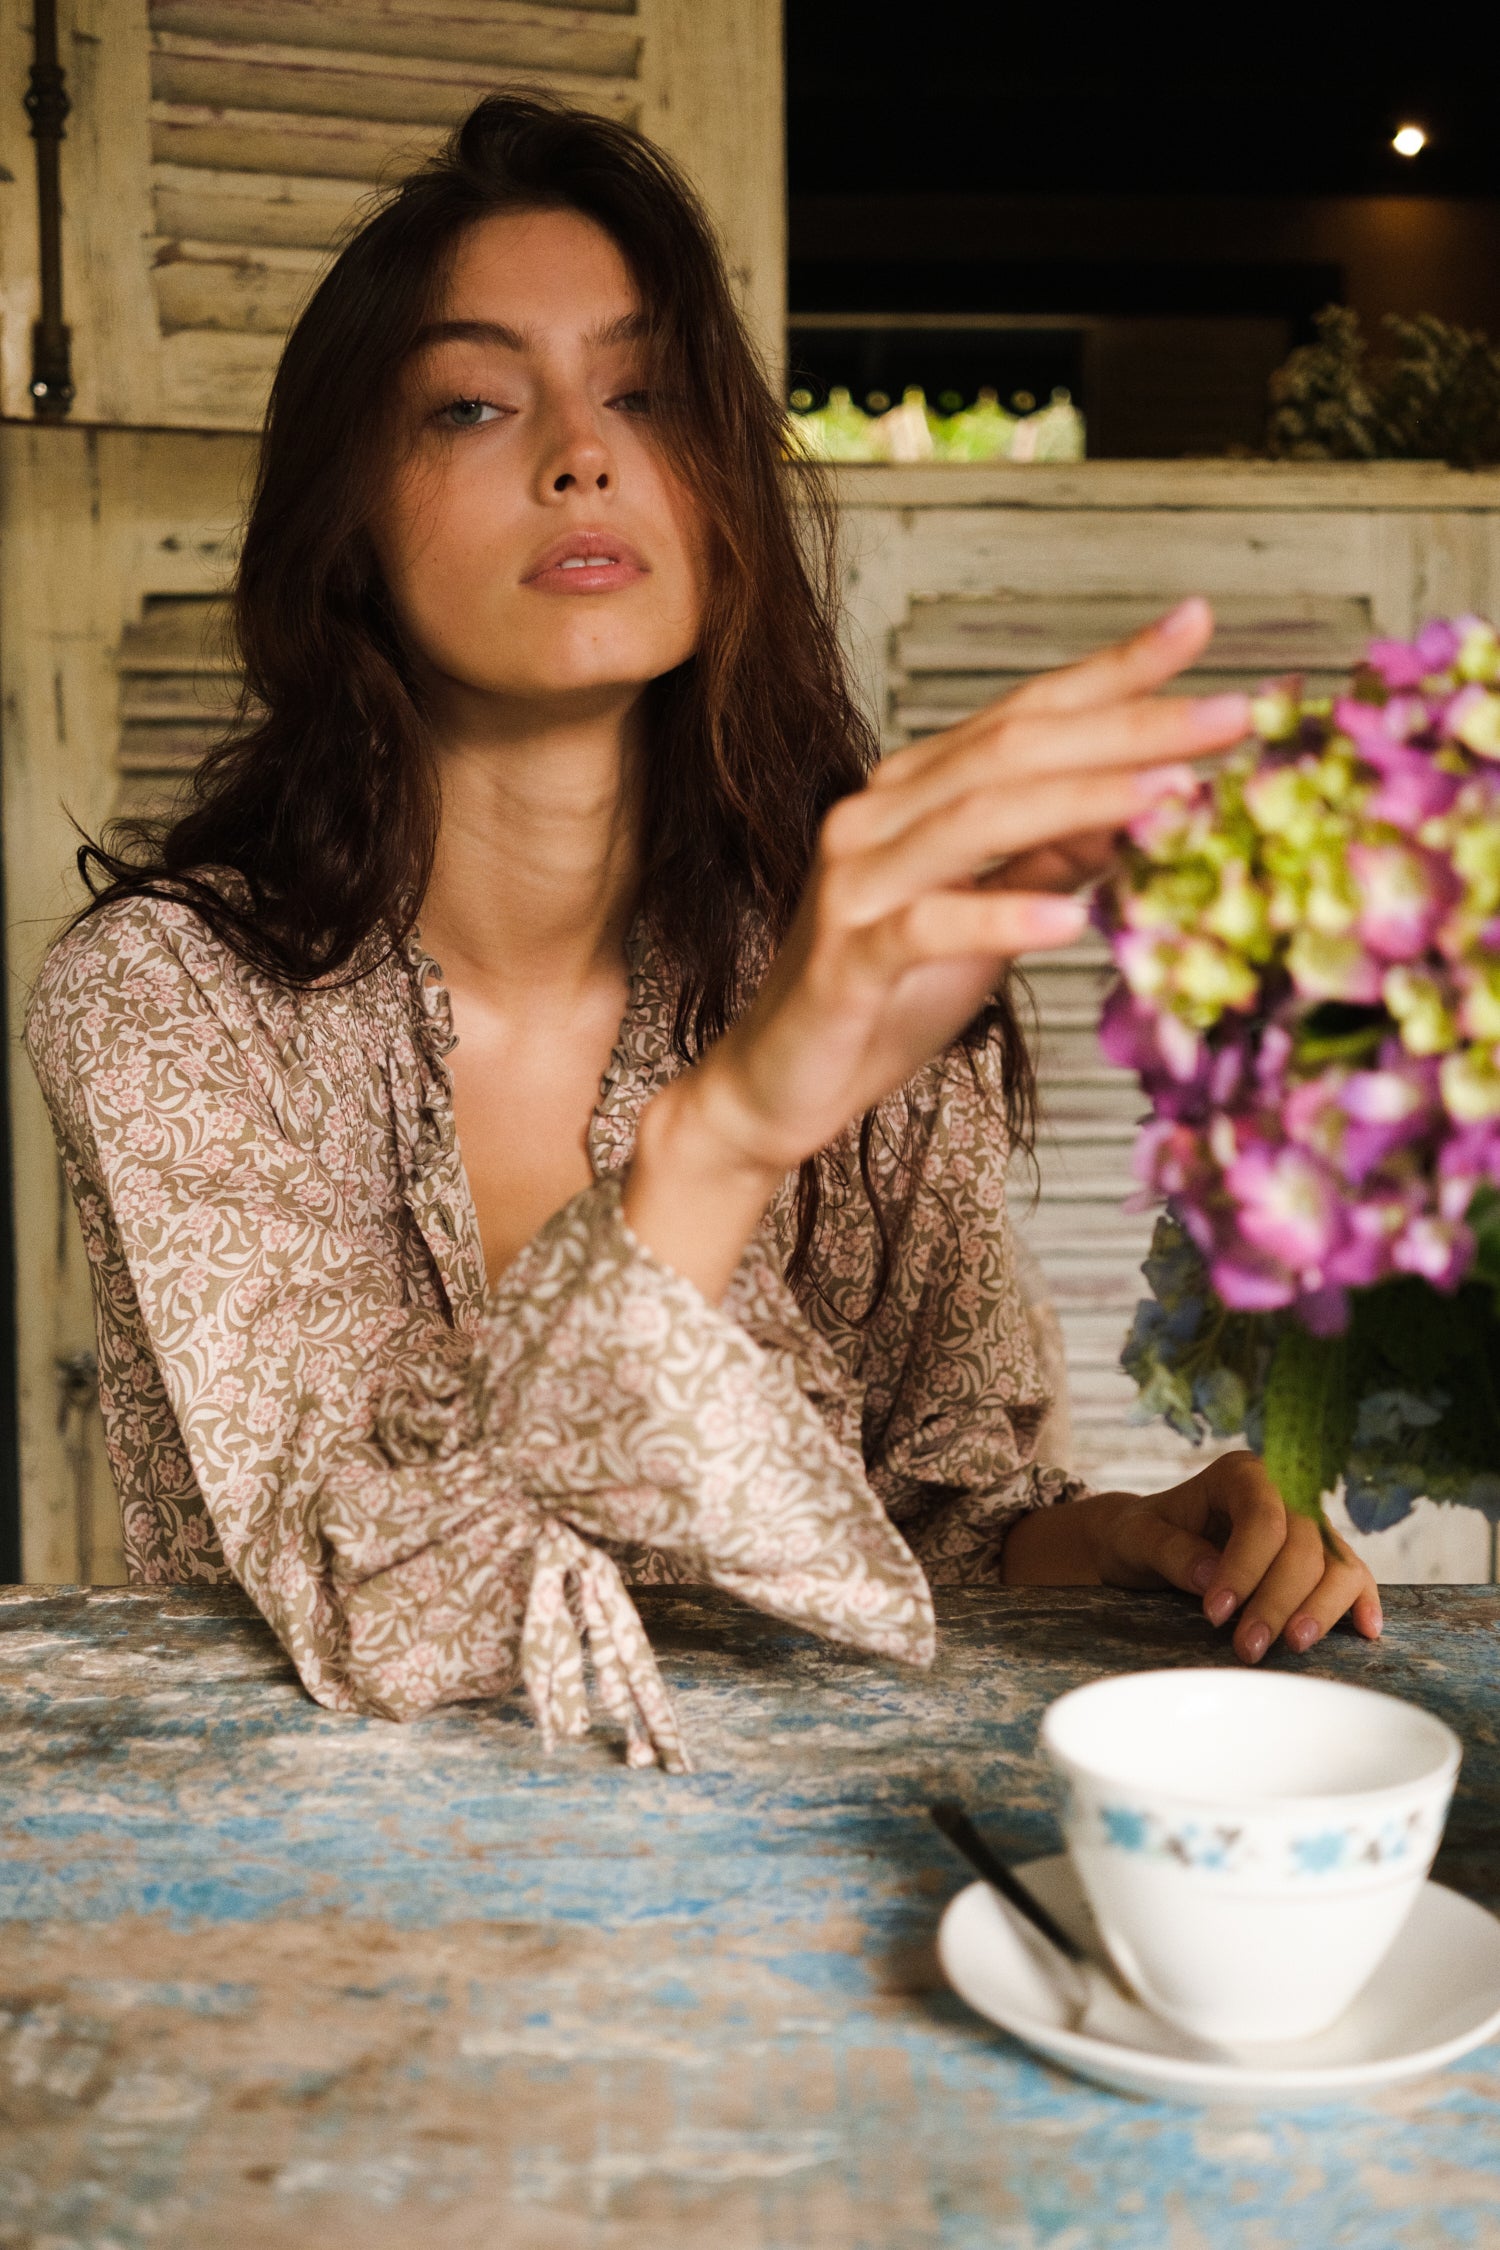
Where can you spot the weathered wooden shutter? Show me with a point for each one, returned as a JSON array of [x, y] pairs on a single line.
[[951, 656], [179, 687], [218, 150], [272, 125]]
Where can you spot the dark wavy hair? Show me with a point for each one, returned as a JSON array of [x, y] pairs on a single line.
[[323, 794]]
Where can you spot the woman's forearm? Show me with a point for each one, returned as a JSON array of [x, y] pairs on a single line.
[[691, 1196]]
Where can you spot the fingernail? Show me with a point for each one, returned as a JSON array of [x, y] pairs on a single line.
[[1221, 714], [1220, 1607], [1202, 1574], [1301, 1633], [1186, 613], [1257, 1640], [1056, 921], [1165, 781]]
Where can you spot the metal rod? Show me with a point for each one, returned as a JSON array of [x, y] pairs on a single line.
[[46, 104], [960, 1831]]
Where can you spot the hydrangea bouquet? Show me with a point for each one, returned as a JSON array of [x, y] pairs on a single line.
[[1309, 990]]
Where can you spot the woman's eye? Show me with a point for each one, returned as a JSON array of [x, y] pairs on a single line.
[[467, 413], [634, 402]]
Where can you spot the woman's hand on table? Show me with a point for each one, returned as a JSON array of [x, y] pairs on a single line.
[[926, 883], [1225, 1535]]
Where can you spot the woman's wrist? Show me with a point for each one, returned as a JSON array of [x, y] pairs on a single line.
[[694, 1194], [1057, 1546]]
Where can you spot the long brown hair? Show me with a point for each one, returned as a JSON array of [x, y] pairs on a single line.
[[323, 795]]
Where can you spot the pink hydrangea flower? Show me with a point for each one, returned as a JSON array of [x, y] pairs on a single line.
[[1322, 1101]]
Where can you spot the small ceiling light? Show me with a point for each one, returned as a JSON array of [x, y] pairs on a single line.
[[1410, 140]]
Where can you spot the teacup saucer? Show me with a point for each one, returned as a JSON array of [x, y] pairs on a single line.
[[1436, 1995]]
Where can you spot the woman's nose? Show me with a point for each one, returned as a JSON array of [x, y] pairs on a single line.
[[567, 478], [578, 459]]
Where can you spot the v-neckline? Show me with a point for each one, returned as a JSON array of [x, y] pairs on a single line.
[[640, 1062]]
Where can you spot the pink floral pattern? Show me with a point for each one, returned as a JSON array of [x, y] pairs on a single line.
[[435, 1485]]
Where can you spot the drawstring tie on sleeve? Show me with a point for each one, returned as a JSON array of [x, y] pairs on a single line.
[[576, 1589]]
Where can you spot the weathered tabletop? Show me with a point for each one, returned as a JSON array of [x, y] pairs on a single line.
[[274, 1978]]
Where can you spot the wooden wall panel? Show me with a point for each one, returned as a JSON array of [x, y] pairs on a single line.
[[712, 80], [106, 535], [106, 192]]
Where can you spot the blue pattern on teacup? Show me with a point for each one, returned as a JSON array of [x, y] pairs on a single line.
[[1333, 1848], [1191, 1843], [1315, 1855], [1215, 1847]]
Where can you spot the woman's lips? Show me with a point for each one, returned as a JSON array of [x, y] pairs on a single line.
[[586, 562], [593, 574]]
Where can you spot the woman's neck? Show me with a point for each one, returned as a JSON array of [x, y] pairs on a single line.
[[537, 866]]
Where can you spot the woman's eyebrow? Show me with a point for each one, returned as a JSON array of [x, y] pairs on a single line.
[[626, 328]]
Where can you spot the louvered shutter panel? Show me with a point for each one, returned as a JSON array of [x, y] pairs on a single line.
[[951, 656], [274, 121], [219, 150], [179, 686]]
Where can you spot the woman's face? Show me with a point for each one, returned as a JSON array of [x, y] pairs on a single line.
[[537, 546]]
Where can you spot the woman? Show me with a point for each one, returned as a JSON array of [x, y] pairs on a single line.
[[541, 685]]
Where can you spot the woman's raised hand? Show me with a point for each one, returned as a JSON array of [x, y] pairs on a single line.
[[925, 884]]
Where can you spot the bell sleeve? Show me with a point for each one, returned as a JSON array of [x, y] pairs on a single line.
[[958, 1398], [423, 1513]]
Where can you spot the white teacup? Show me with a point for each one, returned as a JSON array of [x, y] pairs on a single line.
[[1250, 1842]]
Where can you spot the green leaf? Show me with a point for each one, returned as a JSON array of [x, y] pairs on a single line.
[[1443, 1348], [1415, 1328], [1484, 1217], [1339, 1031], [1309, 1410]]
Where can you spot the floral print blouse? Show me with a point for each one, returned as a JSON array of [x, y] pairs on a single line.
[[435, 1483]]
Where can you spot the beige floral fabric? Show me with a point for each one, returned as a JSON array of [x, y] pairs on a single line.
[[435, 1484]]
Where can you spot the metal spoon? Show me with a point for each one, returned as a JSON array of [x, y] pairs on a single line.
[[950, 1817]]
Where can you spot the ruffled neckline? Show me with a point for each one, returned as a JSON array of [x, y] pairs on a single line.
[[434, 1003]]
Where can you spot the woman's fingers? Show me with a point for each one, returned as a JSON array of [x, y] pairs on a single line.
[[1296, 1578], [1125, 672], [957, 840], [1060, 866], [1146, 731], [1242, 1491], [1147, 660], [955, 925], [1152, 1546], [997, 751], [1366, 1614], [1344, 1588], [1275, 1570]]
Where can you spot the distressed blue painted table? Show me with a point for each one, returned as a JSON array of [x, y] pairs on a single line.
[[278, 1979]]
